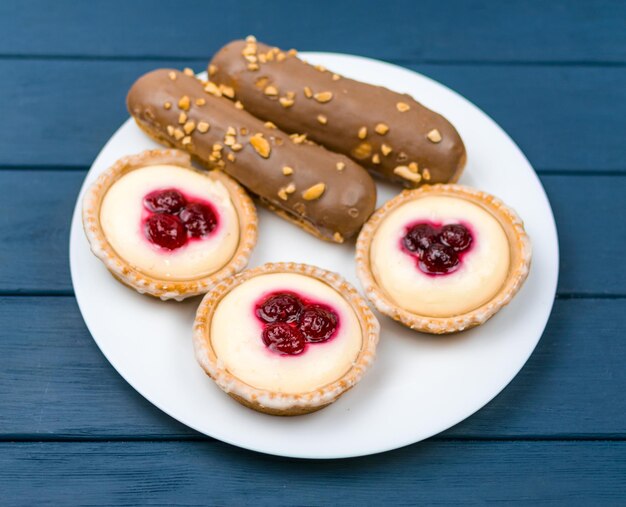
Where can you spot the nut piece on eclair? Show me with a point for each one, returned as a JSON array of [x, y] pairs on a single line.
[[389, 133], [325, 193]]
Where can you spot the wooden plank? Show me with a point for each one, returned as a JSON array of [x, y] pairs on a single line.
[[59, 385], [201, 473], [564, 118], [417, 31], [33, 236]]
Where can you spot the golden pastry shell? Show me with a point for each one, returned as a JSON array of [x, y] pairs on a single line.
[[133, 277], [520, 251]]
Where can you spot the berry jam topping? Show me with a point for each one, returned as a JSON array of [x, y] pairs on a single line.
[[290, 322], [167, 231], [420, 237], [169, 201], [317, 324], [174, 219], [199, 219], [456, 236], [438, 249], [440, 259], [280, 308], [284, 339]]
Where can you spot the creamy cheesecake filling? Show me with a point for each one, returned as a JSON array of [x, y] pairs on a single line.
[[480, 276], [236, 337], [122, 218]]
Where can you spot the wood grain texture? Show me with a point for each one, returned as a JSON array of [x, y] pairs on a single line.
[[34, 246], [476, 31], [564, 118], [201, 473], [60, 385]]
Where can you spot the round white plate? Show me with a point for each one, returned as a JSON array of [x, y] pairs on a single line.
[[419, 385]]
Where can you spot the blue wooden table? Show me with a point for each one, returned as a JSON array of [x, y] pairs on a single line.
[[553, 74]]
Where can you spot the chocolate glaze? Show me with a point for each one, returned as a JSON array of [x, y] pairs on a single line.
[[354, 105], [349, 196]]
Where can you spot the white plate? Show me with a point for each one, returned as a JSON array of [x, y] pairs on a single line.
[[419, 385]]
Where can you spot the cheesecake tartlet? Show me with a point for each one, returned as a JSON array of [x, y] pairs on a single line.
[[167, 229], [285, 339], [442, 258]]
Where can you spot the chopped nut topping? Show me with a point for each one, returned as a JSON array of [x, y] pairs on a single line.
[[262, 58], [261, 145], [172, 75], [189, 72], [322, 119], [298, 138], [362, 151], [186, 140], [269, 56], [167, 105], [386, 149], [434, 136], [406, 173], [376, 158], [314, 192], [336, 77], [286, 102], [213, 89], [414, 167], [170, 130], [290, 189], [341, 166], [403, 107], [217, 147], [280, 57], [184, 103], [426, 174], [323, 97], [212, 70], [236, 147], [269, 125], [291, 95], [270, 91], [231, 157], [243, 131], [238, 105], [362, 133], [321, 68], [200, 102], [261, 82], [178, 134], [287, 170], [381, 128], [229, 140], [250, 38], [282, 193], [338, 237], [182, 118], [402, 157], [251, 58], [253, 66], [203, 127], [230, 131], [189, 127], [228, 91], [292, 52], [308, 93]]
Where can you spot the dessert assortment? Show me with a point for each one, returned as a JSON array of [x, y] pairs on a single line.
[[285, 338], [325, 193], [442, 258], [167, 229], [389, 133]]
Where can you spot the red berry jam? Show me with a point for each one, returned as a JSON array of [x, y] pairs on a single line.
[[173, 219], [167, 231], [438, 249], [291, 322]]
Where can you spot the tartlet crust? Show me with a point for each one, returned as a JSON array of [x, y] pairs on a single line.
[[133, 277], [520, 251], [272, 402]]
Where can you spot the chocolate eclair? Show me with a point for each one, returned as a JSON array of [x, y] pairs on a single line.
[[389, 133], [325, 193]]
